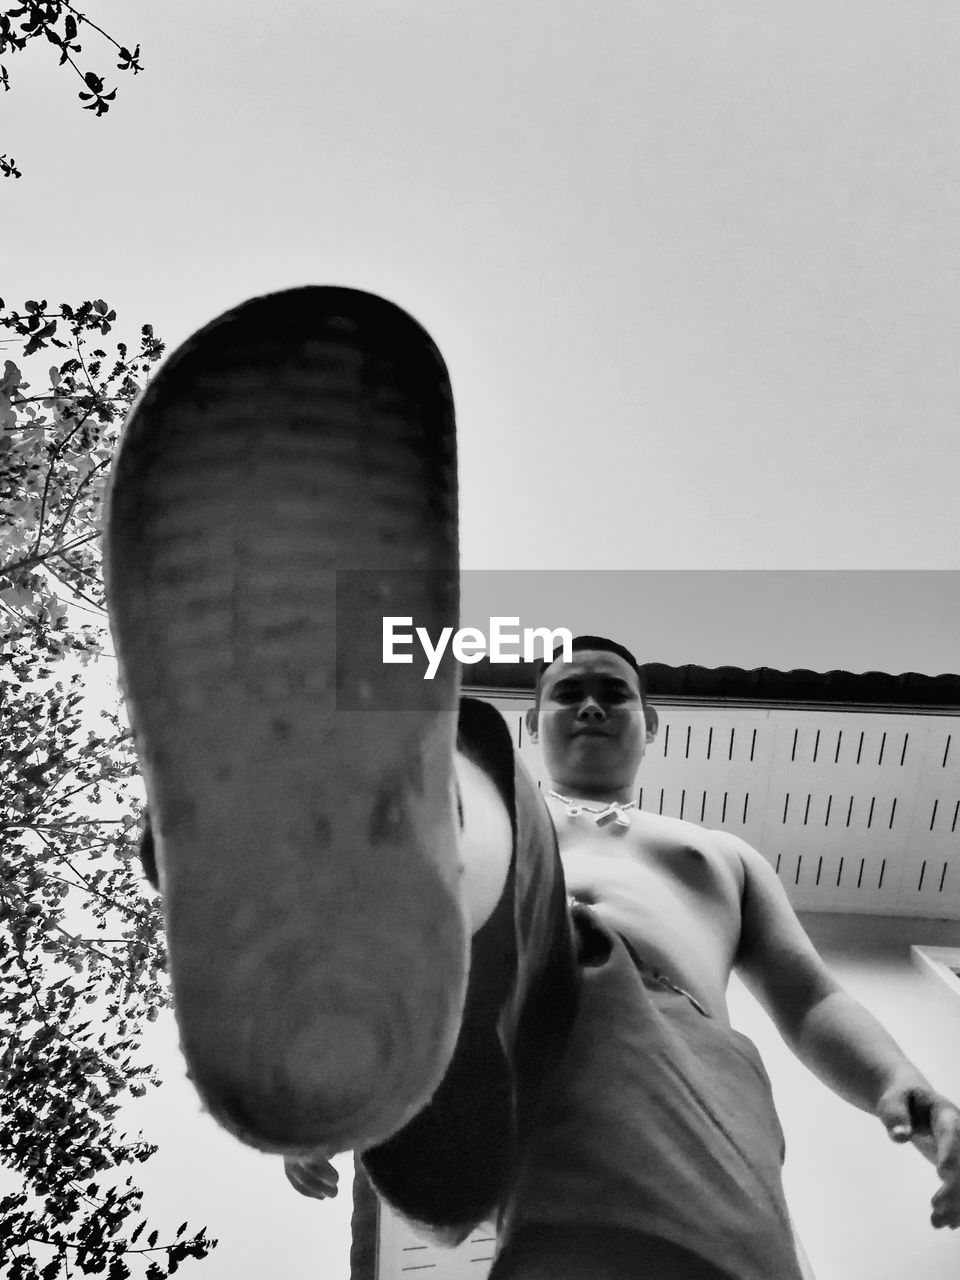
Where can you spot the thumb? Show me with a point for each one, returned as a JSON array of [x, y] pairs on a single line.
[[894, 1110]]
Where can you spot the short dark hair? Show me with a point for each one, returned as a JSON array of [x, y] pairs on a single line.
[[590, 642]]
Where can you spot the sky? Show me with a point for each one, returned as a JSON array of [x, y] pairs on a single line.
[[694, 268]]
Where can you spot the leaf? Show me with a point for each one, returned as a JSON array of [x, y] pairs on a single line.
[[12, 377]]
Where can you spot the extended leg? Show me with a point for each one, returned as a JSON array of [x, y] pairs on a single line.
[[286, 481], [452, 1165]]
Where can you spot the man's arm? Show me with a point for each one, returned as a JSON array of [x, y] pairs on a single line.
[[835, 1036]]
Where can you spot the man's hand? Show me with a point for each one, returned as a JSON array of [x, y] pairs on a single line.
[[312, 1175], [916, 1113]]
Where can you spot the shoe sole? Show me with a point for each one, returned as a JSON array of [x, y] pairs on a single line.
[[287, 478]]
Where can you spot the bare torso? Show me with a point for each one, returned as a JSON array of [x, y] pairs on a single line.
[[672, 888]]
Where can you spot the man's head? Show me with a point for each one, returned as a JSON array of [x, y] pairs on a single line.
[[591, 720]]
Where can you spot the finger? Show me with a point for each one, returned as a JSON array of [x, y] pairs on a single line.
[[318, 1182], [925, 1144], [297, 1181], [945, 1126], [328, 1180], [314, 1166], [945, 1207], [326, 1176], [894, 1111], [924, 1108], [946, 1134], [922, 1104], [313, 1191]]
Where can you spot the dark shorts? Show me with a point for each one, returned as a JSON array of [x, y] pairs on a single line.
[[599, 1253], [639, 1130], [658, 1123]]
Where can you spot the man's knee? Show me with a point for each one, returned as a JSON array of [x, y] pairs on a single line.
[[486, 840]]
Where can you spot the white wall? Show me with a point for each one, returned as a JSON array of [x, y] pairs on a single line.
[[860, 1203]]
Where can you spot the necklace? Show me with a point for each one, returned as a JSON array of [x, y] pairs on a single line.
[[613, 813]]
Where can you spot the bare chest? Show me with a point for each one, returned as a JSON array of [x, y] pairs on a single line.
[[674, 893]]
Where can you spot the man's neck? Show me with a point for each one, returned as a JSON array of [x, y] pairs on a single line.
[[594, 795]]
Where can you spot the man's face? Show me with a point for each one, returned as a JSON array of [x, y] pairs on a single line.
[[591, 722]]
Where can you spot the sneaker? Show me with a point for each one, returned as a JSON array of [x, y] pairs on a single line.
[[286, 480]]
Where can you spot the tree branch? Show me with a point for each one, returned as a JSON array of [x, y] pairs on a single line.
[[58, 555], [94, 471], [22, 960], [33, 559], [82, 17], [89, 946], [84, 887]]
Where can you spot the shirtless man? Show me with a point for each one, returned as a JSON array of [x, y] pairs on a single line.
[[370, 941], [694, 904]]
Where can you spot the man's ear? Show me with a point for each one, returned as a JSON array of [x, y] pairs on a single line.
[[530, 719], [652, 719]]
